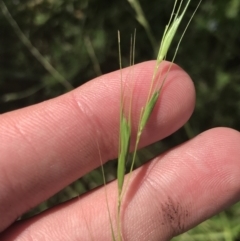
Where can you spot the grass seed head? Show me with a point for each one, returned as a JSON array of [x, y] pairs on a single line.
[[125, 134]]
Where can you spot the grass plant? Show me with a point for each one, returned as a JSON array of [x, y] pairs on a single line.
[[125, 135]]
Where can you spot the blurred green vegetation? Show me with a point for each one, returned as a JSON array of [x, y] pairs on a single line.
[[77, 41]]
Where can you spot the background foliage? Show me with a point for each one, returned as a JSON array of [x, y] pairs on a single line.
[[77, 40]]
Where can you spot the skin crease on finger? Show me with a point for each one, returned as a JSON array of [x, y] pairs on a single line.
[[167, 196], [55, 142]]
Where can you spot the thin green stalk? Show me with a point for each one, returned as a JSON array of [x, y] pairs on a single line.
[[104, 183], [125, 131], [124, 144], [21, 94], [92, 55], [34, 51], [141, 18]]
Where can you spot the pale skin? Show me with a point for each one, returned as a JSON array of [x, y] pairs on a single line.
[[47, 146]]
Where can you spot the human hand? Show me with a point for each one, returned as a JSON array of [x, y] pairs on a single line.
[[47, 146]]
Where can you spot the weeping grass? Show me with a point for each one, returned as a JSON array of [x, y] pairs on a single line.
[[125, 133]]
